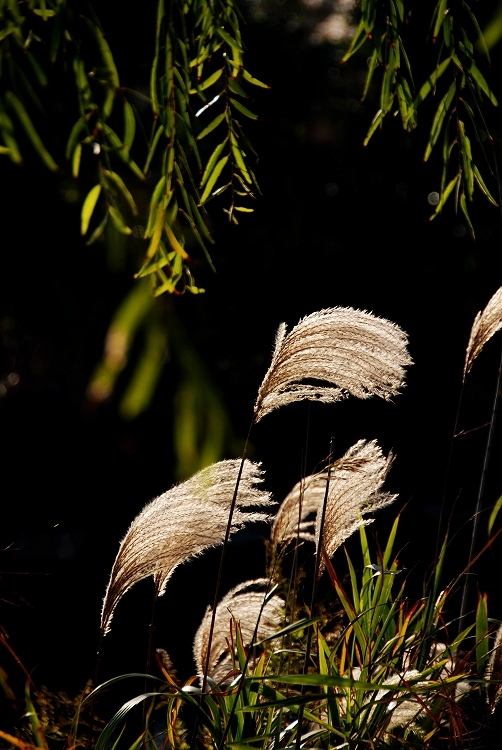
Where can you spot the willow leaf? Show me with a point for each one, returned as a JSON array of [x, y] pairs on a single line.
[[482, 186], [244, 110], [129, 125], [208, 82], [254, 81], [465, 211], [118, 220], [212, 162], [74, 134], [120, 184], [30, 131], [372, 66], [88, 207], [446, 194], [175, 244], [377, 120], [96, 234], [158, 191], [7, 131], [465, 145], [441, 11], [214, 176], [430, 83], [212, 125], [75, 162], [358, 40], [228, 39], [481, 82], [437, 123]]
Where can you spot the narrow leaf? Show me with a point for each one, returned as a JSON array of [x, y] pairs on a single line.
[[88, 208], [212, 125], [214, 176]]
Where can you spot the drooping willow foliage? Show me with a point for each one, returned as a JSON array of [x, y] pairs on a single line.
[[183, 135], [454, 78]]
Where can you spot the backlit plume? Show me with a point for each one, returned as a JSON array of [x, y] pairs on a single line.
[[486, 324], [353, 351], [182, 523], [242, 605]]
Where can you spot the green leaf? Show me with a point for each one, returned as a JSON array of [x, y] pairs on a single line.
[[481, 43], [446, 194], [96, 234], [88, 208], [437, 123], [244, 210], [441, 11], [120, 184], [465, 145], [359, 38], [208, 82], [214, 177], [75, 162], [430, 83], [80, 125], [244, 110], [30, 131], [212, 125], [7, 131], [375, 123], [481, 82], [118, 220], [129, 125], [372, 66], [494, 514], [228, 39], [463, 206], [481, 633], [254, 81]]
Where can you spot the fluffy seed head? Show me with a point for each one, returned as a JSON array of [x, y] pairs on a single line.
[[353, 351], [182, 523]]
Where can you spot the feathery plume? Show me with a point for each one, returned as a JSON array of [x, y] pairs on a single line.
[[182, 523], [494, 673], [354, 491], [241, 605], [486, 324], [354, 351], [296, 515]]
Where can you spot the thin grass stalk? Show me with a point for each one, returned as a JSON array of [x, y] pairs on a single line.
[[246, 663], [482, 481], [314, 593], [218, 582], [97, 666]]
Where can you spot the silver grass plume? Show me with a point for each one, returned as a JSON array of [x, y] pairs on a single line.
[[354, 490], [241, 605], [486, 324], [494, 673], [296, 515], [353, 351], [181, 523]]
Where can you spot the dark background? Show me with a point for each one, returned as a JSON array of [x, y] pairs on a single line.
[[337, 224]]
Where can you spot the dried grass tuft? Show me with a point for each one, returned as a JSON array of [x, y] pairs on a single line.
[[241, 605], [354, 351], [486, 324], [183, 522]]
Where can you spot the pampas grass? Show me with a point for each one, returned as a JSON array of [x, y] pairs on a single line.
[[243, 606], [354, 351], [183, 522], [486, 324], [354, 491]]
